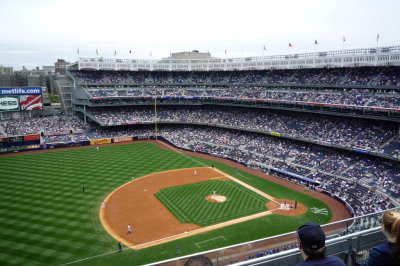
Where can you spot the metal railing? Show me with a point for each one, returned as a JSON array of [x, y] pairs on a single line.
[[344, 239]]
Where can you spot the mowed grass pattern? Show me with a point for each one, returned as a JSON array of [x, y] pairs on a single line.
[[45, 218], [188, 203]]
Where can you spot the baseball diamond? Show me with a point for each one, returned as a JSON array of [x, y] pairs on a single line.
[[182, 195], [60, 194]]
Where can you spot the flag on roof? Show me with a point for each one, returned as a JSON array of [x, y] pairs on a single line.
[[377, 37], [344, 39], [290, 45], [97, 52], [315, 42]]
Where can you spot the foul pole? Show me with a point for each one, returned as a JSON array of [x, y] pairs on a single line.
[[155, 113]]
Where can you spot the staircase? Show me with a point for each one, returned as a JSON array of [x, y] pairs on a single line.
[[389, 140], [356, 137], [2, 132], [374, 81]]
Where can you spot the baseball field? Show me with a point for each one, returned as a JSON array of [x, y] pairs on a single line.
[[50, 204]]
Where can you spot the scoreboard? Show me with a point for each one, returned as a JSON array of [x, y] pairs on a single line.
[[16, 99]]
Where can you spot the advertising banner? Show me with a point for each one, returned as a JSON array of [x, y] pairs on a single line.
[[99, 141], [122, 139], [9, 103], [143, 137], [31, 137], [21, 91], [30, 102], [275, 134], [16, 139]]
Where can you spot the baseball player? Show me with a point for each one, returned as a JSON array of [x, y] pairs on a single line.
[[129, 229], [195, 172]]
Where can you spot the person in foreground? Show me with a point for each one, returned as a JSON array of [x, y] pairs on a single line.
[[388, 252], [199, 260], [311, 240]]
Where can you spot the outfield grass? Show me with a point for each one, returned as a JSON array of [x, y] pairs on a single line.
[[46, 219], [188, 204]]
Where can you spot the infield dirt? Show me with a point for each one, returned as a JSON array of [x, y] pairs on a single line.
[[339, 211]]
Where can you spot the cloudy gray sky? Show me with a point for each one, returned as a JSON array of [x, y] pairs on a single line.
[[36, 33]]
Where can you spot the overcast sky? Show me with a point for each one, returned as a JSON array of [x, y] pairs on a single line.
[[38, 32]]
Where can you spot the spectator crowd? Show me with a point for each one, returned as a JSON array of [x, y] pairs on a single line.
[[41, 124], [355, 76], [342, 173], [379, 137]]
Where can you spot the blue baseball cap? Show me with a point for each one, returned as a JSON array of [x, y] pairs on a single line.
[[311, 236]]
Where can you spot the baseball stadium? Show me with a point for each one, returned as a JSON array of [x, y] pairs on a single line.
[[153, 161]]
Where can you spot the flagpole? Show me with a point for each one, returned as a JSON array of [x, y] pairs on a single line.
[[78, 58], [377, 40], [376, 56], [341, 61], [315, 55], [344, 39]]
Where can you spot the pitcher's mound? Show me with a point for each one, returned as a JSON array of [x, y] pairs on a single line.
[[216, 198]]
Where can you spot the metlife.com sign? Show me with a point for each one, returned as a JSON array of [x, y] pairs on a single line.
[[20, 91]]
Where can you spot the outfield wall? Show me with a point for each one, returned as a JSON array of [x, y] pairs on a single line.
[[20, 143]]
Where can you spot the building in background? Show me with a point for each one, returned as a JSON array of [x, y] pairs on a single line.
[[6, 70], [195, 54], [49, 70], [61, 67]]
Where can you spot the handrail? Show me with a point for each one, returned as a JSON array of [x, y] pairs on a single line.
[[330, 241]]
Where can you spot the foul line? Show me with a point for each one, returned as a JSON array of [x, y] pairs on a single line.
[[100, 255], [202, 230], [226, 175], [197, 243], [173, 148], [247, 186]]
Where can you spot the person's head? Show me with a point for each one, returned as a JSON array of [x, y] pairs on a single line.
[[311, 240], [391, 228], [198, 261]]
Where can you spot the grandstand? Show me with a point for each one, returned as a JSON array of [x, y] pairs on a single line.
[[327, 121]]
